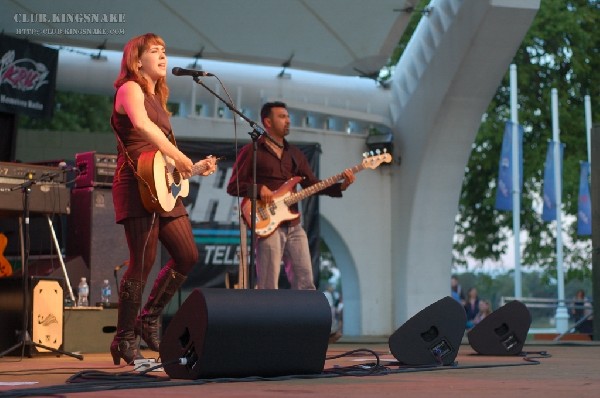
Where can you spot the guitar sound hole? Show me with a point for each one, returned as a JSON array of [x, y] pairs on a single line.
[[176, 177]]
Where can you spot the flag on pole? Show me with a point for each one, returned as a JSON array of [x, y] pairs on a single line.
[[549, 194], [584, 208], [504, 189]]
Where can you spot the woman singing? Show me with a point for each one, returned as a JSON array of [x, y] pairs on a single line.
[[142, 123]]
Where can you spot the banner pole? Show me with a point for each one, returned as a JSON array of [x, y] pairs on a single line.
[[516, 180], [562, 316]]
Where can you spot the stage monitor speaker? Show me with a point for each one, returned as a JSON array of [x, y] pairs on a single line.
[[94, 235], [503, 332], [240, 333], [8, 136], [45, 323], [432, 336]]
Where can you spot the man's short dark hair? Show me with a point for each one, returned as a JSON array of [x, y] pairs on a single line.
[[266, 109]]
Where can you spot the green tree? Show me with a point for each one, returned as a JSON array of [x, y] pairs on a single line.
[[417, 12], [74, 112], [560, 51]]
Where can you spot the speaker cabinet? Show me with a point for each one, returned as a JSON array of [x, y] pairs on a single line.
[[45, 313], [503, 332], [8, 136], [432, 336], [240, 333], [94, 235], [89, 329]]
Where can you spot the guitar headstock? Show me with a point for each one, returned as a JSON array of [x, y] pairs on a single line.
[[372, 160]]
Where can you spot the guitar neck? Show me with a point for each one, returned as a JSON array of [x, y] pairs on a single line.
[[319, 186], [199, 168]]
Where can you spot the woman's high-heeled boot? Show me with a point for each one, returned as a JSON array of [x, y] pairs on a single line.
[[166, 285], [125, 345]]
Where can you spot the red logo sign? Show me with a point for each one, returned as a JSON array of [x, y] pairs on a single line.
[[22, 74]]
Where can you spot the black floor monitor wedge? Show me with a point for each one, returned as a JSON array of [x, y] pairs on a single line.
[[432, 336], [503, 332]]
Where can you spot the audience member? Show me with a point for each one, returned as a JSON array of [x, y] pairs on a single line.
[[456, 290], [578, 310], [582, 308], [472, 304], [485, 309]]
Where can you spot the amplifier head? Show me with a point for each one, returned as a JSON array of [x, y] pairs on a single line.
[[95, 169]]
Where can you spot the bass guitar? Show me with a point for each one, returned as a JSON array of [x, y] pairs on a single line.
[[160, 183], [270, 215]]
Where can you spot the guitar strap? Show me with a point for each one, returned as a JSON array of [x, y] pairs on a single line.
[[130, 162], [294, 163]]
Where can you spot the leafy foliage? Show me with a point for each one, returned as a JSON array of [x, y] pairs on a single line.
[[560, 51], [75, 112], [415, 17]]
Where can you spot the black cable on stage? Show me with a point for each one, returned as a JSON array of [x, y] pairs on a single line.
[[356, 370], [93, 380], [53, 371]]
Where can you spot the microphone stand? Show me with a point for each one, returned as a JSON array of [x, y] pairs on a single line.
[[255, 134], [24, 226]]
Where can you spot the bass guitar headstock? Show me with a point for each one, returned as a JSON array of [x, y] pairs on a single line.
[[372, 160]]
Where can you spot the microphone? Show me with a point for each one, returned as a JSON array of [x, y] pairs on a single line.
[[63, 166], [189, 72]]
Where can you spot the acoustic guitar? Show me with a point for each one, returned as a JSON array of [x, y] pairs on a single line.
[[160, 183]]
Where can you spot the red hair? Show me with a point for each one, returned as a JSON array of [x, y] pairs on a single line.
[[132, 52]]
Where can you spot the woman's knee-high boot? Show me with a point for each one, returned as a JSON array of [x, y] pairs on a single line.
[[125, 345], [166, 285]]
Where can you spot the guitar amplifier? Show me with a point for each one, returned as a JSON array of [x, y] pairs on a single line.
[[95, 169]]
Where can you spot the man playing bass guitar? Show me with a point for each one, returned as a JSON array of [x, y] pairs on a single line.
[[277, 162]]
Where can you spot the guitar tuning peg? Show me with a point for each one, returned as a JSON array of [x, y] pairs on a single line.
[[365, 154], [378, 151], [371, 153], [384, 150]]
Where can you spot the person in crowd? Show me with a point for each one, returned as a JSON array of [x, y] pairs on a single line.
[[141, 123], [485, 309], [471, 305], [456, 290], [581, 311], [277, 162], [578, 307]]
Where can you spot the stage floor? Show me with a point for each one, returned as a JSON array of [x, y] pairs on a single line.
[[571, 369]]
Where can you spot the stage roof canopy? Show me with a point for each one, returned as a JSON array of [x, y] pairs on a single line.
[[348, 37]]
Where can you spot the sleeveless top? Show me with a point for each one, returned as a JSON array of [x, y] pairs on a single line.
[[126, 196]]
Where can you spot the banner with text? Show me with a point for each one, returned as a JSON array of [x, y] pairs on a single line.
[[27, 77], [549, 194], [584, 208], [504, 189]]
